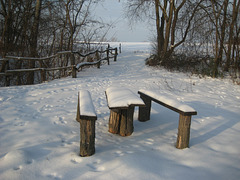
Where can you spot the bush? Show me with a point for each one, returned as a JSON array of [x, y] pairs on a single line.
[[195, 64]]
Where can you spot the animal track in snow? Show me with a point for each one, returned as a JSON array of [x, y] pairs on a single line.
[[76, 161], [20, 123], [96, 167], [46, 107], [149, 141], [60, 120], [119, 153], [54, 175], [16, 160]]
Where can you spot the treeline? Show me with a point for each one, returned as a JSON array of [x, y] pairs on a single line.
[[40, 28], [200, 33]]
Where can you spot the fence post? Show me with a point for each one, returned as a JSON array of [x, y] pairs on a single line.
[[7, 77], [98, 57], [115, 55], [43, 75], [74, 72], [120, 48], [42, 71], [108, 55]]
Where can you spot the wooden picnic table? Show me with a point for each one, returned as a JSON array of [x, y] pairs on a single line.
[[121, 102]]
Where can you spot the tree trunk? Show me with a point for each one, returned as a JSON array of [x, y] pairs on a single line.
[[159, 48], [168, 29], [34, 38], [235, 12], [222, 35], [7, 30]]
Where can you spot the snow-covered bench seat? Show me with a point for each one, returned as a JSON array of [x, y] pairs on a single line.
[[86, 116], [185, 114], [121, 102]]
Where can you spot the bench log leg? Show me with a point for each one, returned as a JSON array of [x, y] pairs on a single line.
[[183, 132], [144, 112], [126, 123], [114, 120], [121, 121], [87, 137]]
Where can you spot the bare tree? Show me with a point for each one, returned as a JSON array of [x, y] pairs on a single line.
[[223, 16], [34, 39], [167, 17], [233, 25], [41, 28]]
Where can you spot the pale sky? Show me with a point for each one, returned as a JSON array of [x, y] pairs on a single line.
[[112, 11]]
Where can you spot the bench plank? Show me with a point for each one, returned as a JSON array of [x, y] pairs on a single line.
[[169, 102], [185, 114], [119, 97], [86, 107]]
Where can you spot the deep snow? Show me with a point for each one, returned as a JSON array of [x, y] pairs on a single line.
[[39, 136]]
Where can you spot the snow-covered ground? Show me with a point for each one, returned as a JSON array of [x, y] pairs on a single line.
[[39, 136]]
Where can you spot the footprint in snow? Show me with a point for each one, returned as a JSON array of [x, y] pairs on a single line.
[[46, 107], [17, 168], [119, 153], [60, 121], [96, 167], [76, 161], [20, 124], [54, 176], [149, 141], [15, 160]]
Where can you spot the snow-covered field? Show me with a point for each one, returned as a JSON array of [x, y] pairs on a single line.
[[39, 136]]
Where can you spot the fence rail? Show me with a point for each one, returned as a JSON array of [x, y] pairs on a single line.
[[56, 66]]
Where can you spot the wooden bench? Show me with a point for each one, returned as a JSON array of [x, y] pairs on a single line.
[[121, 102], [86, 115], [185, 114]]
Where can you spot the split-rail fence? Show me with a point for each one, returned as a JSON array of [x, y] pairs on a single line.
[[61, 64]]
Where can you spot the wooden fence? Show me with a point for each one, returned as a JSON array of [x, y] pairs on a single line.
[[61, 64]]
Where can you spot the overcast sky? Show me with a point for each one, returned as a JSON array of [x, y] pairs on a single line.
[[112, 11]]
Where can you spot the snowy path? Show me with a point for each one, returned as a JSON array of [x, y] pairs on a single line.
[[39, 137]]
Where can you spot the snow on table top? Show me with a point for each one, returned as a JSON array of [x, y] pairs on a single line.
[[167, 100], [122, 97], [86, 104]]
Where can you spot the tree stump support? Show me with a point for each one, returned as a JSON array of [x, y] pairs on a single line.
[[183, 132], [122, 102], [87, 137], [121, 121], [114, 119], [144, 111], [87, 130]]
